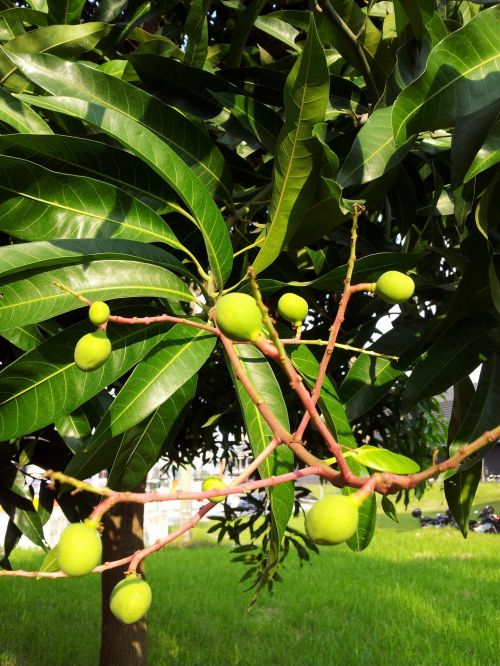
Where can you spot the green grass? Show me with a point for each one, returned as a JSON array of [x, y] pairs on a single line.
[[415, 597]]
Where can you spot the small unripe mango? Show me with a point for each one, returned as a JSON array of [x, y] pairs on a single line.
[[79, 549], [332, 520], [212, 482], [99, 313], [394, 287], [293, 308], [238, 317], [130, 599], [92, 351]]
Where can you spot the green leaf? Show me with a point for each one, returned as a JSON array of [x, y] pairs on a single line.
[[71, 79], [488, 155], [258, 119], [389, 509], [260, 434], [367, 511], [65, 11], [383, 460], [371, 377], [460, 491], [481, 415], [25, 337], [15, 259], [158, 155], [50, 561], [36, 298], [140, 451], [51, 205], [456, 353], [74, 428], [181, 85], [20, 116], [373, 152], [101, 161], [298, 158], [25, 15], [470, 133], [65, 41], [175, 359], [16, 501], [463, 394], [196, 32], [108, 10], [278, 30], [460, 78], [44, 384]]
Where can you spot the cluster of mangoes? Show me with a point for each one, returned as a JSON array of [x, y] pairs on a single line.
[[332, 520], [240, 318], [93, 349], [79, 551]]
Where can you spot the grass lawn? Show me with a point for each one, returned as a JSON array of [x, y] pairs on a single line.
[[415, 597]]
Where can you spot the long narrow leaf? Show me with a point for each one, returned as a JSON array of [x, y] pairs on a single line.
[[164, 161], [36, 298], [461, 77], [44, 384], [71, 79], [38, 204], [296, 168], [260, 434]]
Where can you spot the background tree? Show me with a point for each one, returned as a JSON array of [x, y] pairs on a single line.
[[154, 150]]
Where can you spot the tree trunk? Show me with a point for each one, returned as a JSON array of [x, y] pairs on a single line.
[[123, 534]]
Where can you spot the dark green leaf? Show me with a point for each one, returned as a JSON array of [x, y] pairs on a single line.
[[298, 157], [367, 269], [389, 509], [260, 434], [15, 259], [20, 116], [45, 385], [139, 452], [373, 152], [25, 337], [65, 11], [367, 511], [196, 32], [331, 407], [65, 41], [16, 500], [98, 160], [36, 298], [461, 77], [481, 414], [371, 377], [460, 491], [457, 353], [71, 79], [52, 205], [159, 156], [175, 359], [488, 155], [75, 429]]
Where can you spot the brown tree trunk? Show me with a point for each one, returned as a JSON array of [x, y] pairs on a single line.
[[121, 644]]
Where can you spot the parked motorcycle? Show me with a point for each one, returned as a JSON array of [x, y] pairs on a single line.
[[486, 521], [440, 520]]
